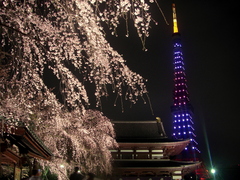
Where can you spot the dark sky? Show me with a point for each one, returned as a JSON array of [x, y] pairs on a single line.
[[209, 37]]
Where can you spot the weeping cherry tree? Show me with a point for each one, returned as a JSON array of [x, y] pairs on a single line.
[[50, 49]]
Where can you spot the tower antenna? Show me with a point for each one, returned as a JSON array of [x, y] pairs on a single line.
[[175, 26]]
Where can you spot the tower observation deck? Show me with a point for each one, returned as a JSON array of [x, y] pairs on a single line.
[[182, 110]]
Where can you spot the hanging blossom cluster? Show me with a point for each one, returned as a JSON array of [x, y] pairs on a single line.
[[65, 38], [137, 10], [82, 141]]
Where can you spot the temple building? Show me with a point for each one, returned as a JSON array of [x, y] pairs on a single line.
[[145, 152], [20, 148]]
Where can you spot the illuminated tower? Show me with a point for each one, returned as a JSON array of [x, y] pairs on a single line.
[[182, 110]]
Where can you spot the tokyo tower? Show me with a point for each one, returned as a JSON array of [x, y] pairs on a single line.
[[182, 110]]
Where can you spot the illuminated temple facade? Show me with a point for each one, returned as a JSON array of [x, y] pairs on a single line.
[[145, 152]]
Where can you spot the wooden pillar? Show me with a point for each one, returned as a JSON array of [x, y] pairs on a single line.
[[17, 172]]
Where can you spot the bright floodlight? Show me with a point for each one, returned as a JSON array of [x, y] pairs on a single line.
[[213, 171]]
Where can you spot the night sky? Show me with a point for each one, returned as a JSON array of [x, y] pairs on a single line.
[[209, 36]]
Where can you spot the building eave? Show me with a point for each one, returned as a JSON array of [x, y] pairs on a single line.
[[127, 167]]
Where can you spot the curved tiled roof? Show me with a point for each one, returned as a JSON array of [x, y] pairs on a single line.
[[141, 131]]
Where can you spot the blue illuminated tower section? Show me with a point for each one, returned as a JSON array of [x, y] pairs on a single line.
[[182, 110]]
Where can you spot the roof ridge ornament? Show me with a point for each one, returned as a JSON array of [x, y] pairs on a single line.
[[161, 129]]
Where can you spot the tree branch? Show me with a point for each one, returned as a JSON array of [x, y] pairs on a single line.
[[4, 25]]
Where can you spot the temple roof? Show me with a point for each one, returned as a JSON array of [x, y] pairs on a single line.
[[146, 129], [26, 141], [29, 142], [148, 134], [141, 132]]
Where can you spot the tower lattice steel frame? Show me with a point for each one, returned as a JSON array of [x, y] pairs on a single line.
[[182, 110]]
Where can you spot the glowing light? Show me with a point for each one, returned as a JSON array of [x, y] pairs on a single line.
[[175, 26], [213, 171]]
